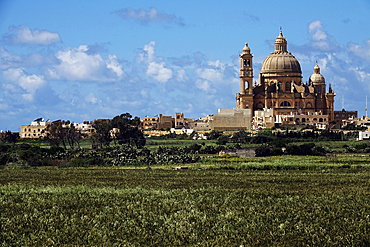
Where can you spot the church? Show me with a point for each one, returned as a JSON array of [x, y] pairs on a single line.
[[280, 85]]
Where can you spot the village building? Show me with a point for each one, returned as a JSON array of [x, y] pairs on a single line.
[[157, 122], [36, 129], [343, 115], [317, 119], [231, 119]]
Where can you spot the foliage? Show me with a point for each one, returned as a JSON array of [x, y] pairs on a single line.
[[9, 137], [128, 130], [267, 150], [63, 133], [108, 207]]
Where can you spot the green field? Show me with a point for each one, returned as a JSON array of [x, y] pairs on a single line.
[[322, 206]]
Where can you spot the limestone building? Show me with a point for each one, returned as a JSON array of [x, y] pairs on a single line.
[[280, 85], [231, 119]]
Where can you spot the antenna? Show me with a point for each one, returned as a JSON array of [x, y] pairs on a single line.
[[366, 107], [342, 101]]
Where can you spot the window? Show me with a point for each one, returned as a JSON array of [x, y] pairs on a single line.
[[246, 106], [248, 63], [296, 104], [274, 103], [280, 86], [308, 105], [315, 119], [320, 120], [285, 103], [287, 86]]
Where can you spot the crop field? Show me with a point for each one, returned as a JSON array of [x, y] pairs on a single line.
[[195, 207]]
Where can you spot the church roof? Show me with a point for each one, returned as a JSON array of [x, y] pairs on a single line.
[[281, 61]]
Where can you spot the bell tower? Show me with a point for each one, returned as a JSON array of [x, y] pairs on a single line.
[[244, 99]]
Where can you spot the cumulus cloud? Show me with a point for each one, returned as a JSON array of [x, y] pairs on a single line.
[[156, 67], [362, 52], [320, 40], [76, 64], [8, 59], [30, 83], [23, 35], [152, 15]]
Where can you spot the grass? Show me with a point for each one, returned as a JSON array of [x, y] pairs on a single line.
[[134, 207]]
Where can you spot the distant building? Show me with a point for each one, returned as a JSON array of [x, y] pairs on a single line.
[[317, 119], [181, 121], [157, 122], [231, 119], [339, 116], [36, 129], [363, 136], [263, 119]]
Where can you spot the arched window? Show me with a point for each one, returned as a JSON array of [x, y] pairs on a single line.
[[280, 86], [246, 106], [244, 62], [303, 120], [308, 105], [320, 120], [260, 106], [248, 63], [285, 103], [287, 86], [315, 119]]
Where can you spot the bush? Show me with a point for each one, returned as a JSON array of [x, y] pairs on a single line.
[[222, 140], [266, 150]]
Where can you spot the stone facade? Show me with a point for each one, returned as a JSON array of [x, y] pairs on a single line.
[[317, 119], [157, 122], [339, 116], [36, 129], [280, 85], [231, 119]]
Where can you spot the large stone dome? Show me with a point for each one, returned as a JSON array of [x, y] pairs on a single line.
[[281, 61]]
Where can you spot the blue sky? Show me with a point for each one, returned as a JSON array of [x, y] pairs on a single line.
[[84, 60]]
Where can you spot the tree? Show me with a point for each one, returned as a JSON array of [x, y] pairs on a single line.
[[126, 130], [9, 137], [55, 134], [103, 132], [63, 132]]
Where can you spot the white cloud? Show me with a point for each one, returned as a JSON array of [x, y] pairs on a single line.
[[362, 52], [320, 40], [91, 98], [204, 85], [214, 74], [156, 66], [8, 59], [158, 72], [30, 83], [113, 64], [24, 35], [181, 75], [144, 17], [77, 65]]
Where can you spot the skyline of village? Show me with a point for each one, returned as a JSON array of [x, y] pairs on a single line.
[[83, 61]]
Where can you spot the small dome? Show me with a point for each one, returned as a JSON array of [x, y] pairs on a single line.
[[280, 61], [246, 49], [316, 78]]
